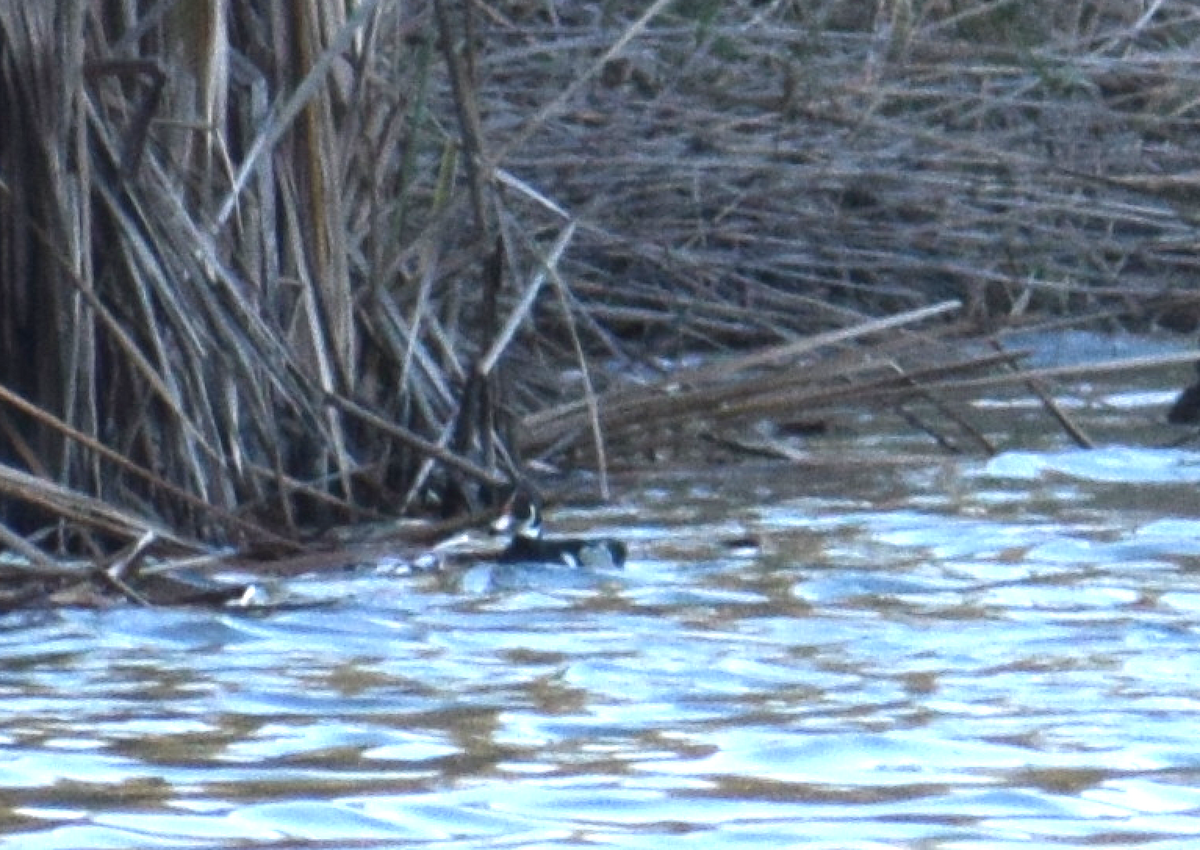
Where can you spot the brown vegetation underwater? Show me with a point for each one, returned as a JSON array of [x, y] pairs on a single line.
[[267, 271]]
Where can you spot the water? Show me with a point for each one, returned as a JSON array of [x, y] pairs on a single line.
[[922, 652]]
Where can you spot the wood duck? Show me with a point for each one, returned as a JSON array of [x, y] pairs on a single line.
[[522, 518]]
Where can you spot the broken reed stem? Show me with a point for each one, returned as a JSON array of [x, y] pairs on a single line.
[[1037, 387], [36, 561], [702, 390], [929, 394], [290, 105], [589, 391], [1075, 370], [773, 394], [87, 511], [458, 48], [534, 123], [525, 304], [793, 350], [256, 532], [416, 442]]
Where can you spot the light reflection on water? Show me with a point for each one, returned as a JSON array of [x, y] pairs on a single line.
[[954, 654]]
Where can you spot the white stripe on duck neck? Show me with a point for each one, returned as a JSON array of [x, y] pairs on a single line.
[[521, 518]]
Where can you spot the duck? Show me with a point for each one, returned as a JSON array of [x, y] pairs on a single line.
[[522, 519]]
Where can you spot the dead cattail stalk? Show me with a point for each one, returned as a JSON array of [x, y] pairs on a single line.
[[247, 289]]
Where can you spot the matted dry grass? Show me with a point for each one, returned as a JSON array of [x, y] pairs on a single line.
[[266, 272]]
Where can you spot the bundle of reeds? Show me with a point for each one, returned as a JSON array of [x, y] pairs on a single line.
[[268, 269]]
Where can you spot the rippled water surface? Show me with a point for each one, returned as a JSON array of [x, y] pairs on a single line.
[[923, 652]]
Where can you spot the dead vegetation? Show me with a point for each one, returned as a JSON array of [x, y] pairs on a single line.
[[265, 273]]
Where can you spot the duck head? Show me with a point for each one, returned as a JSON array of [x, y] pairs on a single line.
[[521, 516]]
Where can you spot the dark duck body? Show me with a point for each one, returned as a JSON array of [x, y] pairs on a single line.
[[522, 518]]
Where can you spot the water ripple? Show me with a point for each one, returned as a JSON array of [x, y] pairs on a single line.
[[1004, 660]]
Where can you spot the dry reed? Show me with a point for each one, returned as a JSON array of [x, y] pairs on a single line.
[[268, 272]]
